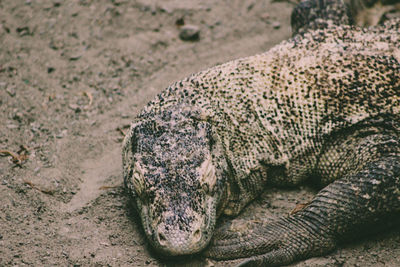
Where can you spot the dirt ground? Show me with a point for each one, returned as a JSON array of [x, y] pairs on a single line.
[[73, 74]]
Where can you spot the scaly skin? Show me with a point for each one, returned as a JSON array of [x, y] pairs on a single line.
[[324, 105]]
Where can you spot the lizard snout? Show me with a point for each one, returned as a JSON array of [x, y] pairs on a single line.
[[175, 241]]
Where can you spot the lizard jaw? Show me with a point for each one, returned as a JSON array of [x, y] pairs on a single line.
[[175, 240]]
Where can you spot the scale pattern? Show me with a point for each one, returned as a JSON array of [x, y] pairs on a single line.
[[324, 105]]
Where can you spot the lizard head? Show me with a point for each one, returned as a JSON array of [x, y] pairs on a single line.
[[169, 171]]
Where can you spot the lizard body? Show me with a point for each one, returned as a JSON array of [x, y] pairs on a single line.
[[324, 105]]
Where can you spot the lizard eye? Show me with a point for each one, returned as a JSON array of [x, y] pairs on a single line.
[[205, 188], [145, 194], [207, 171], [138, 181]]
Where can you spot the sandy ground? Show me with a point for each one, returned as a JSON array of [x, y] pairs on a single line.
[[73, 74]]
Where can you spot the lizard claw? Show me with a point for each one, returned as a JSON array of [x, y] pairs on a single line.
[[278, 243], [274, 258]]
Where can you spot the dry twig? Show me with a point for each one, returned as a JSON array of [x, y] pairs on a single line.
[[90, 96], [17, 158], [43, 190], [121, 131], [106, 187]]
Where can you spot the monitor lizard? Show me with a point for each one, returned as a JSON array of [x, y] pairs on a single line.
[[322, 107]]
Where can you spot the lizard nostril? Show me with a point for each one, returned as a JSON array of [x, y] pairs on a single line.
[[196, 235], [162, 239]]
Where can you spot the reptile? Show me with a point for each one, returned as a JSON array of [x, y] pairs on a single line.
[[322, 107]]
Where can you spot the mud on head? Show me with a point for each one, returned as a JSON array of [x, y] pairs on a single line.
[[169, 171]]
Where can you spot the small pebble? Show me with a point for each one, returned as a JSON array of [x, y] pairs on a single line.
[[24, 30], [75, 107], [75, 57], [276, 25], [11, 91], [190, 33]]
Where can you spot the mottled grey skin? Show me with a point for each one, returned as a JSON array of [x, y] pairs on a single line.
[[323, 107]]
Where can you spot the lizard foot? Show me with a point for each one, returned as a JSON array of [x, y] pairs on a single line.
[[284, 241]]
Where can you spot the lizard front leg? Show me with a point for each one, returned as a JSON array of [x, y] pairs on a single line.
[[337, 212]]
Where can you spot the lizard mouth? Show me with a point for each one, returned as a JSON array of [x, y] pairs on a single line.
[[179, 240], [178, 243]]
